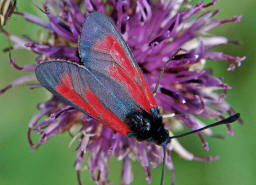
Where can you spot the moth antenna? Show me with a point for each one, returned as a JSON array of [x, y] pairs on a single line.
[[228, 120], [163, 168], [162, 71]]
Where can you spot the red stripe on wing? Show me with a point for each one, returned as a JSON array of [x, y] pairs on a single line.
[[134, 89], [111, 45], [142, 96], [147, 90], [109, 119], [66, 90], [114, 122]]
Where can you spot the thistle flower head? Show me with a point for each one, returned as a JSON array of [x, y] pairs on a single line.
[[154, 31]]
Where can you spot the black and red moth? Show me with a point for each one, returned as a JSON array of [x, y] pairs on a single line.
[[109, 86]]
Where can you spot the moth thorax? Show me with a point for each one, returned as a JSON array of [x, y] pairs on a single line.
[[147, 126]]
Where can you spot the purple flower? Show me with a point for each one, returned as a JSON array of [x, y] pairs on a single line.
[[154, 31]]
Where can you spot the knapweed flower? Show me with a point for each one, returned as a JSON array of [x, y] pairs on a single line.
[[155, 32]]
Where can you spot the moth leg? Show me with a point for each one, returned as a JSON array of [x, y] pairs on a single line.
[[62, 111], [162, 71]]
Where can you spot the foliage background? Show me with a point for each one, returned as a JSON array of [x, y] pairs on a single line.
[[52, 163]]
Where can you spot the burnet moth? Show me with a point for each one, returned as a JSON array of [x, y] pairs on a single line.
[[110, 86], [6, 9]]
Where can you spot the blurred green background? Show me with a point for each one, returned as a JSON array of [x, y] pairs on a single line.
[[52, 163]]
